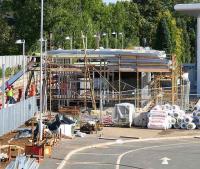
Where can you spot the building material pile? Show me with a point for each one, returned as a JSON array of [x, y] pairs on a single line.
[[196, 115], [158, 118], [107, 120], [167, 116], [124, 114]]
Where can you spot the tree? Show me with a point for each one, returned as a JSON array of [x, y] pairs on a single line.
[[7, 45], [154, 20], [163, 37]]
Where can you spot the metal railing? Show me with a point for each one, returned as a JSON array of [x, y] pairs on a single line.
[[16, 115]]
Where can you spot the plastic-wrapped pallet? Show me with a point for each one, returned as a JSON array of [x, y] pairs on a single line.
[[141, 119], [166, 116], [124, 114], [158, 119]]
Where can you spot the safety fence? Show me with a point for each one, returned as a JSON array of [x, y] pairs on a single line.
[[17, 114], [11, 60]]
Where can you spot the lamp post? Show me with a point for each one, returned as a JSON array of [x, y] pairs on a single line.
[[69, 38], [115, 34], [41, 72], [45, 72], [106, 35], [24, 61], [122, 36], [97, 37], [84, 37]]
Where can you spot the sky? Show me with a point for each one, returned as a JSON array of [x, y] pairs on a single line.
[[109, 1]]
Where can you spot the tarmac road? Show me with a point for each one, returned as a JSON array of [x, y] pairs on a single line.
[[163, 154]]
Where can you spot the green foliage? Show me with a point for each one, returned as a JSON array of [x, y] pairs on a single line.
[[1, 73], [153, 20], [163, 37], [8, 72]]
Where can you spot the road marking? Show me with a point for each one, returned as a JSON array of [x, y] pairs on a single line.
[[88, 163], [68, 156], [98, 154], [146, 148], [165, 160]]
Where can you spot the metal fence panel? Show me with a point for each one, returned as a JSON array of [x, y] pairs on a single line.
[[16, 115]]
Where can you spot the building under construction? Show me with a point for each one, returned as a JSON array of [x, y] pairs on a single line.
[[104, 77]]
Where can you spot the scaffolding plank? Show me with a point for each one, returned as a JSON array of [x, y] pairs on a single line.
[[65, 70]]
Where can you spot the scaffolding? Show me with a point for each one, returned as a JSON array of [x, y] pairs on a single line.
[[94, 80]]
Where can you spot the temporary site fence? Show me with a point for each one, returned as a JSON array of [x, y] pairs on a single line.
[[11, 60], [17, 114]]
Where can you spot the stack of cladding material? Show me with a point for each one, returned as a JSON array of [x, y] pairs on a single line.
[[158, 118], [167, 116]]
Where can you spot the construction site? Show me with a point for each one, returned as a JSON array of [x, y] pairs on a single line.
[[84, 91], [89, 108], [103, 78]]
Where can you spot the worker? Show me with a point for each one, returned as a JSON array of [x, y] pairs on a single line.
[[32, 91], [10, 95], [7, 89], [19, 95]]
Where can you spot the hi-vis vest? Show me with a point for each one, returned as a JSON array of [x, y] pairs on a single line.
[[10, 93]]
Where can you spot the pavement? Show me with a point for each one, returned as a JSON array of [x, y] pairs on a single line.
[[81, 152]]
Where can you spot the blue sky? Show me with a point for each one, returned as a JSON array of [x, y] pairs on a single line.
[[108, 1]]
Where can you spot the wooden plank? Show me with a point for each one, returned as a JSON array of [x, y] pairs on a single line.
[[65, 70]]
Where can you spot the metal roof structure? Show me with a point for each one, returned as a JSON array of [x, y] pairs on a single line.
[[192, 9], [108, 52], [138, 60]]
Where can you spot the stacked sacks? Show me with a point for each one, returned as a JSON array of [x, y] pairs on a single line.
[[158, 118], [167, 116]]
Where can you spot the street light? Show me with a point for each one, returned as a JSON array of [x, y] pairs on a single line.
[[105, 34], [44, 41], [41, 71], [84, 37], [97, 37], [114, 33], [69, 38], [24, 61], [122, 35]]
